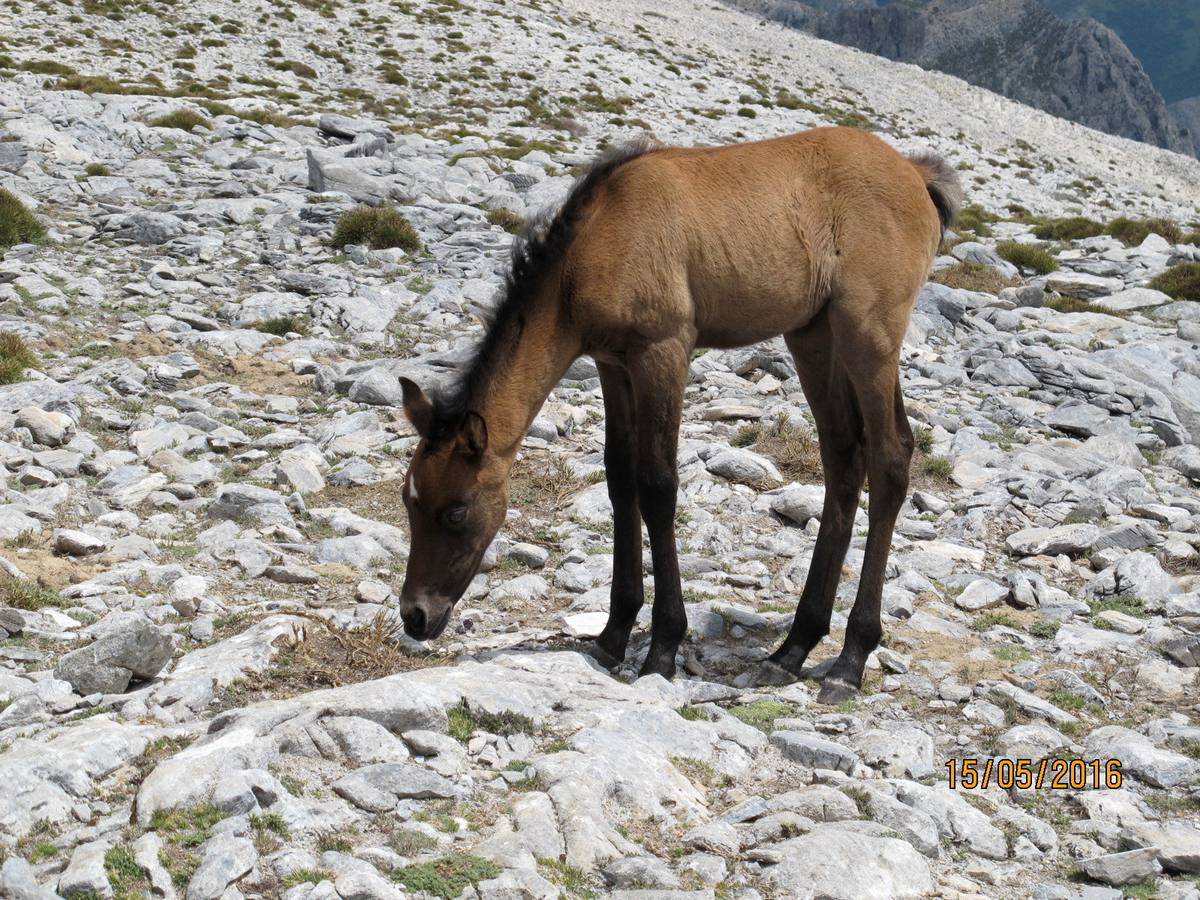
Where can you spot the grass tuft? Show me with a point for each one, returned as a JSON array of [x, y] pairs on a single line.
[[27, 594], [1181, 282], [793, 449], [15, 358], [95, 169], [1027, 256], [17, 224], [510, 221], [761, 714], [1131, 232], [282, 326], [185, 119], [464, 721], [973, 276], [379, 228], [1073, 228], [446, 877]]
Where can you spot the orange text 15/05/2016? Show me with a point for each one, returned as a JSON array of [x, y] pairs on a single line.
[[1025, 774]]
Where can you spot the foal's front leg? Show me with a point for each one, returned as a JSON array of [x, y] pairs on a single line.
[[659, 375], [620, 464]]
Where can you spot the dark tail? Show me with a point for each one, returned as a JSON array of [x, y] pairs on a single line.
[[945, 190]]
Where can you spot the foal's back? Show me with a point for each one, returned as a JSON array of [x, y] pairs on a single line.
[[744, 242]]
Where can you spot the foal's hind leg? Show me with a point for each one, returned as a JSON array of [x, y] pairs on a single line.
[[659, 375], [620, 463], [839, 429], [872, 341]]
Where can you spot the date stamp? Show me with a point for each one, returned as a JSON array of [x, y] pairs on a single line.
[[1055, 774]]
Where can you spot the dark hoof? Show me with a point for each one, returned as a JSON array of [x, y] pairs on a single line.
[[603, 657], [835, 690], [658, 665], [771, 673]]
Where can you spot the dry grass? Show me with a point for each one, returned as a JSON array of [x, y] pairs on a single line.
[[321, 655], [794, 450], [543, 485], [1182, 281], [973, 276], [382, 501]]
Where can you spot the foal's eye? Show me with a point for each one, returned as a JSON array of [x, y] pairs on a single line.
[[455, 515]]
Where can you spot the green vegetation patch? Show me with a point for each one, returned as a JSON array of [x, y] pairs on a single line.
[[1131, 232], [25, 593], [1027, 256], [185, 119], [1182, 281], [464, 721], [283, 325], [379, 227], [17, 224], [761, 714], [15, 358], [1073, 228], [446, 877]]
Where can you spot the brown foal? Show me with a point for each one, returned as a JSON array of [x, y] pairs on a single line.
[[824, 237]]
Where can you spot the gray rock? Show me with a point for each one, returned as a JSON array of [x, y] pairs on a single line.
[[800, 504], [1069, 539], [377, 387], [1139, 757], [1178, 845], [1119, 869], [744, 467], [377, 788], [148, 228], [51, 429], [640, 872], [85, 872], [981, 594], [224, 859], [883, 868], [1077, 418], [234, 501], [107, 665], [76, 543], [1184, 459], [899, 751], [814, 752]]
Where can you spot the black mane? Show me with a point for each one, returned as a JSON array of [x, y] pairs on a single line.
[[542, 242]]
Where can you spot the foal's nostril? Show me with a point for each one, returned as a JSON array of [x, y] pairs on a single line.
[[414, 621]]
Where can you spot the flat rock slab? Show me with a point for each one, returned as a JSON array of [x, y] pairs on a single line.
[[377, 788], [838, 864]]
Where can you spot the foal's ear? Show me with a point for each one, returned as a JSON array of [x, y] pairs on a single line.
[[473, 436], [417, 407]]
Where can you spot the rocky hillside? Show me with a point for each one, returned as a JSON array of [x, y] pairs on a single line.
[[1075, 68], [203, 691]]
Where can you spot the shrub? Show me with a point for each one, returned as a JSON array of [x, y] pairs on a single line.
[[96, 169], [1027, 256], [185, 119], [1071, 229], [1192, 237], [1182, 282], [939, 468], [17, 224], [1132, 232], [377, 227], [747, 112], [507, 219], [15, 358]]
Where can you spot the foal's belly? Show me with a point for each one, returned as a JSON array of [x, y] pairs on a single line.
[[737, 321]]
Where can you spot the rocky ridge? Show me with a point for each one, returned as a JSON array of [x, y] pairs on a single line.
[[203, 693]]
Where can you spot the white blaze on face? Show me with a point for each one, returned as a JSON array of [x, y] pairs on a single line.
[[412, 488]]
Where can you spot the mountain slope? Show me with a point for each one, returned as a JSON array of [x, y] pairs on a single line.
[[1163, 34], [1078, 68]]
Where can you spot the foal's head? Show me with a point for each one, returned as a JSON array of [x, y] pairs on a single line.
[[456, 494]]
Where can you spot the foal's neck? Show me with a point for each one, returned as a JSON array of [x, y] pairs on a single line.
[[543, 351]]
